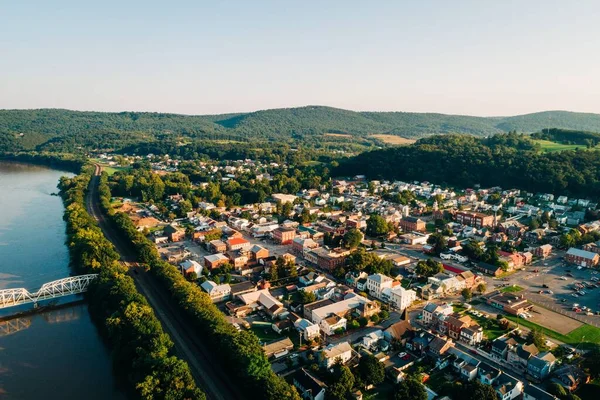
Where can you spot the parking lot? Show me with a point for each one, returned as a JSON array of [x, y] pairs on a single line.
[[553, 286]]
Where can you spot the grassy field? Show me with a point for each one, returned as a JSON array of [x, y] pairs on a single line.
[[586, 335], [549, 146], [512, 289], [393, 139]]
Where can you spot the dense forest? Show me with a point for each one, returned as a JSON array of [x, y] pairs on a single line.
[[69, 131], [566, 136], [508, 161]]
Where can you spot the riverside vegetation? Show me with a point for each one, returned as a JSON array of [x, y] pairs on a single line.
[[141, 351]]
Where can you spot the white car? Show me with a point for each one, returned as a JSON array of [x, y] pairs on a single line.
[[574, 295]]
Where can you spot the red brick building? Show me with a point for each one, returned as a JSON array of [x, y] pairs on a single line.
[[474, 219], [409, 224], [283, 235]]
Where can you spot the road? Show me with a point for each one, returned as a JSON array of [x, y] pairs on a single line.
[[209, 375]]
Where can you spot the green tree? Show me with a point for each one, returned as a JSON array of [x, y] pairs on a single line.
[[536, 337], [557, 389], [371, 370], [438, 241], [377, 226], [591, 362], [481, 288], [467, 294], [307, 297], [429, 268], [409, 389], [352, 238]]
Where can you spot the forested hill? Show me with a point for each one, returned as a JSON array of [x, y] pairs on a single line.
[[52, 128], [508, 161]]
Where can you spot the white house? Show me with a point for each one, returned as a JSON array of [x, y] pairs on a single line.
[[370, 341], [402, 298], [376, 283], [217, 292], [334, 352], [332, 323], [308, 329]]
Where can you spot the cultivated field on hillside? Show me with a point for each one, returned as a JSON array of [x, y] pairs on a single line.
[[393, 139]]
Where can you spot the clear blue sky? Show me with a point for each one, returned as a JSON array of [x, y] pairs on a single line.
[[196, 57]]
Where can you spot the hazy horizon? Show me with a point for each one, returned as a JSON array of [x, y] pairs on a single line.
[[462, 58], [292, 107]]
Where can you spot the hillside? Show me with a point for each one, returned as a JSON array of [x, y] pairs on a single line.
[[508, 161], [53, 129]]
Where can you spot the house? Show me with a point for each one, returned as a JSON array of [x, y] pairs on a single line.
[[431, 311], [175, 233], [437, 351], [353, 277], [238, 259], [258, 252], [487, 374], [507, 387], [278, 348], [455, 324], [331, 324], [542, 251], [215, 261], [238, 243], [217, 292], [284, 235], [283, 198], [472, 334], [410, 224], [189, 266], [501, 347], [540, 366], [363, 306], [399, 331], [376, 283], [334, 352], [262, 299], [582, 257], [520, 355], [570, 377], [464, 364], [308, 330], [217, 246], [532, 392], [309, 387], [402, 298]]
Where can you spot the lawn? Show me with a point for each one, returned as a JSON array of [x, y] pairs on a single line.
[[512, 289], [436, 380], [548, 146], [586, 335], [490, 326], [112, 170], [264, 332]]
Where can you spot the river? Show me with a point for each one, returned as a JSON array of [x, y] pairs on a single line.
[[56, 354]]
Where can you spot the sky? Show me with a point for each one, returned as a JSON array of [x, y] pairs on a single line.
[[479, 57]]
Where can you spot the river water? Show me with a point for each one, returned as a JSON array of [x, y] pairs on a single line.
[[56, 354]]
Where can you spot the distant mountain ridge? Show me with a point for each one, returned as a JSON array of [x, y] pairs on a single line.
[[274, 124]]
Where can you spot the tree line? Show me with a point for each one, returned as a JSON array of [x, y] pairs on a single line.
[[464, 161], [141, 351]]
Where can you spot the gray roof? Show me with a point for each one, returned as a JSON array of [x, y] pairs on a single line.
[[581, 253]]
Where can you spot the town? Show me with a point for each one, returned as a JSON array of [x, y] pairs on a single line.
[[391, 280]]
